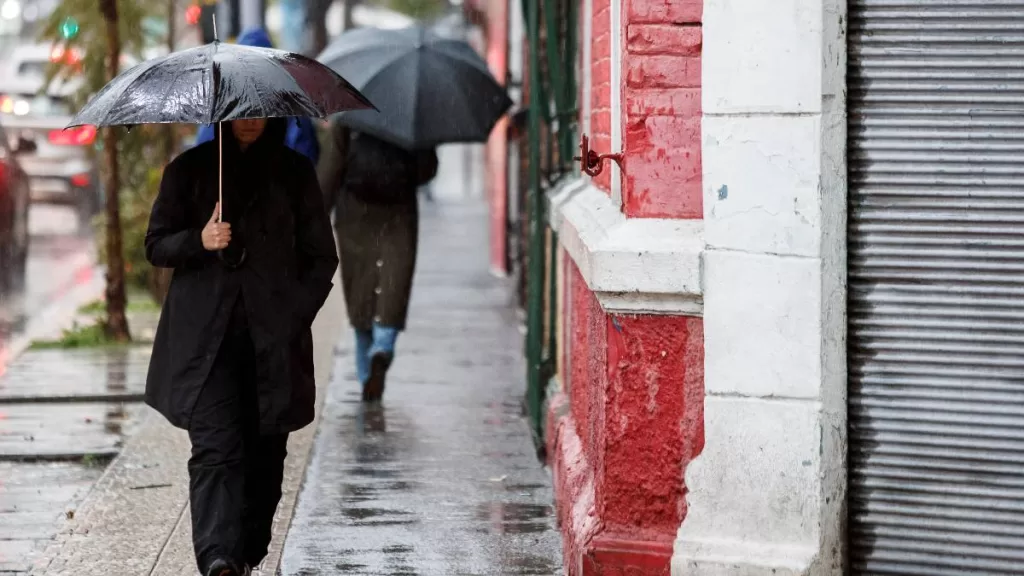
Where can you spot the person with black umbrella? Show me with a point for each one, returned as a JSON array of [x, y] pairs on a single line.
[[241, 221], [429, 90], [372, 186], [232, 362]]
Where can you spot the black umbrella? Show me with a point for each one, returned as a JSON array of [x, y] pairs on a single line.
[[217, 83], [430, 90], [220, 82]]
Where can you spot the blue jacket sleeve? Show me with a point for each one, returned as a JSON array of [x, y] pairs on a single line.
[[205, 134], [302, 138]]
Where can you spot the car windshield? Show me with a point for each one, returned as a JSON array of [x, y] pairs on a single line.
[[33, 68], [34, 105]]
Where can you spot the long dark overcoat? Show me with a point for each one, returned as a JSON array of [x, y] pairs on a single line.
[[284, 280], [372, 188]]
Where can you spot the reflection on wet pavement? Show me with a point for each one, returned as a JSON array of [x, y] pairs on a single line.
[[442, 479], [65, 405], [116, 373], [58, 259], [35, 497]]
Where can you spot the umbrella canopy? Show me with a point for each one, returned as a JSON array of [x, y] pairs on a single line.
[[218, 83], [430, 90]]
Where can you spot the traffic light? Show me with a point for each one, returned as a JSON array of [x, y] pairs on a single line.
[[69, 28], [192, 14]]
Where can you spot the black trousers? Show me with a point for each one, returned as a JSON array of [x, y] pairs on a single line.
[[235, 473]]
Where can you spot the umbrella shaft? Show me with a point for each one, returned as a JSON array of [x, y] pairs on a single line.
[[220, 173]]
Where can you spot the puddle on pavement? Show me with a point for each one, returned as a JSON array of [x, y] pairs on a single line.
[[514, 518]]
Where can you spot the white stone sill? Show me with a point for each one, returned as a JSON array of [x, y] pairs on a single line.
[[633, 265]]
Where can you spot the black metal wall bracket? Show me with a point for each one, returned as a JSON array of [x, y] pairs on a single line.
[[591, 162]]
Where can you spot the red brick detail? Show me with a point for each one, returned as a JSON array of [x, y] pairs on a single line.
[[660, 71], [684, 102], [665, 11], [600, 82], [663, 174], [664, 39], [661, 110]]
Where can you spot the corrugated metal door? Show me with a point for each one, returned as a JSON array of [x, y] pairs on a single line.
[[936, 301]]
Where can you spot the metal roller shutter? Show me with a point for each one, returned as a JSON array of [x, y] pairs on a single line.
[[936, 301]]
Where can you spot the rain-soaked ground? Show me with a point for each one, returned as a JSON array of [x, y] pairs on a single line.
[[63, 414], [443, 479], [59, 258]]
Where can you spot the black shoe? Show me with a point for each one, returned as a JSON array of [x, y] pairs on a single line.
[[221, 567], [373, 391]]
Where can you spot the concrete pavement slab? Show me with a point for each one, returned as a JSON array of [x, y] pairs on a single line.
[[85, 375], [34, 498], [65, 431], [442, 479]]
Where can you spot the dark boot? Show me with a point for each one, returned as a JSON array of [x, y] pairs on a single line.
[[222, 567], [373, 391]]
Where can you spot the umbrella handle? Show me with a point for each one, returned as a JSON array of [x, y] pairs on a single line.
[[220, 175]]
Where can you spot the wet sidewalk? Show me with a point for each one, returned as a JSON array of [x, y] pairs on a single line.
[[443, 479]]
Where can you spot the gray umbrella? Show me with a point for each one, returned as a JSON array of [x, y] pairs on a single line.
[[430, 90]]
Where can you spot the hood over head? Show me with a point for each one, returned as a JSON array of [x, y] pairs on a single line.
[[273, 136], [256, 37]]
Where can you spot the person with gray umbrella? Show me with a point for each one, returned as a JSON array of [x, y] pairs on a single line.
[[430, 90]]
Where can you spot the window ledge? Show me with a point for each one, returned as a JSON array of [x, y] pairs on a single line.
[[633, 265]]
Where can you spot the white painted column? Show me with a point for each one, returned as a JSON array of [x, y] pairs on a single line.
[[767, 494]]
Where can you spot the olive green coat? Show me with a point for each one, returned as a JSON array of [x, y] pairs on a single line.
[[377, 242]]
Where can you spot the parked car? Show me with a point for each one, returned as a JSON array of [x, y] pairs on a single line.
[[62, 169], [14, 207]]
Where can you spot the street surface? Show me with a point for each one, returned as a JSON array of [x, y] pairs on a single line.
[[443, 479], [51, 452], [59, 258]]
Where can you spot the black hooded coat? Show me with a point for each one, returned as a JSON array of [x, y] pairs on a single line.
[[274, 204]]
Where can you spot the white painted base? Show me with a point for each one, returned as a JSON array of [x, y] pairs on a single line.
[[765, 517], [633, 265]]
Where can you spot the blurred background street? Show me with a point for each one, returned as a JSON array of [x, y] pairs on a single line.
[[70, 397]]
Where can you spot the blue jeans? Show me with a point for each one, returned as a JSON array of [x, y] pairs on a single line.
[[369, 343]]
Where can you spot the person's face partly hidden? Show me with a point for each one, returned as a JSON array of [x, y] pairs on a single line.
[[248, 131]]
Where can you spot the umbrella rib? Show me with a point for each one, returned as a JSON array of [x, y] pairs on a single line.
[[213, 83], [309, 104]]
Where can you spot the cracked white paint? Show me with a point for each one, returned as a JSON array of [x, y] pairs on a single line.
[[765, 495]]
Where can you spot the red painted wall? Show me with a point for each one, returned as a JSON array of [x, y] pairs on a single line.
[[601, 84], [629, 418], [622, 434], [497, 144], [661, 116]]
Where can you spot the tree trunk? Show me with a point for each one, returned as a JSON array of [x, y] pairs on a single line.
[[316, 20], [117, 320], [346, 15], [169, 130]]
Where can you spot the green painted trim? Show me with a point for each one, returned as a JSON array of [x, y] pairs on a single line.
[[535, 264]]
